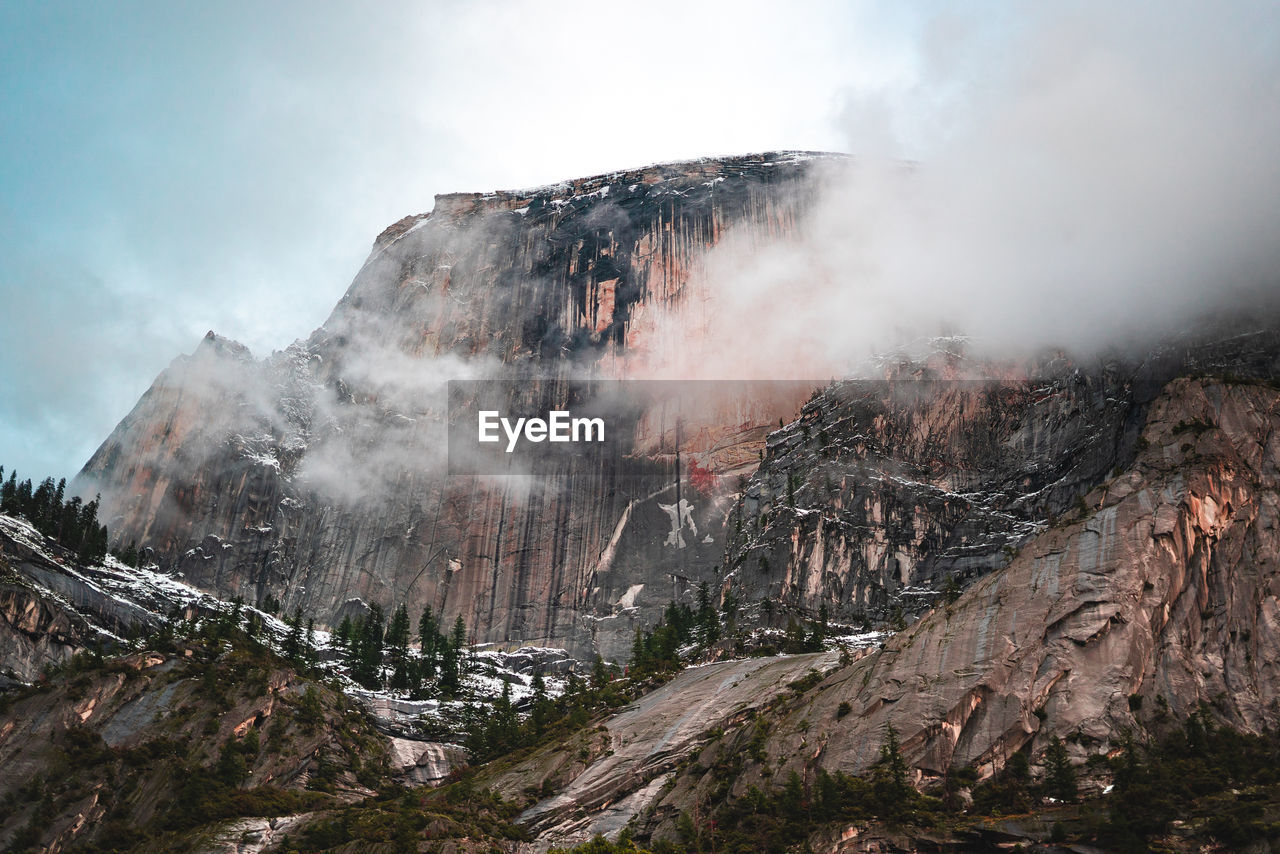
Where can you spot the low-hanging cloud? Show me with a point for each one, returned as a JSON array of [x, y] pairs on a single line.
[[1106, 176]]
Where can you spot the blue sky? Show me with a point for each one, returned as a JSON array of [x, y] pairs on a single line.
[[169, 168]]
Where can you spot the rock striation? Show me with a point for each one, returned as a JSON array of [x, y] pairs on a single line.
[[884, 496], [1064, 547], [1157, 595]]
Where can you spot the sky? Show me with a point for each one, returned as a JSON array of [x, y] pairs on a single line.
[[1087, 177], [171, 168]]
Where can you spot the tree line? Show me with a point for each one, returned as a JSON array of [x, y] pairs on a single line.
[[71, 522]]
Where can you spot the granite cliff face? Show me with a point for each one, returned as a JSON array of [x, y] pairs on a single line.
[[1155, 596], [317, 475], [1161, 585], [884, 497]]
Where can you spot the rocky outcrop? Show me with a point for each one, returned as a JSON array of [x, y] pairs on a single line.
[[122, 750], [1162, 588], [317, 476], [34, 633], [884, 496], [425, 762], [1156, 596], [48, 610], [252, 835]]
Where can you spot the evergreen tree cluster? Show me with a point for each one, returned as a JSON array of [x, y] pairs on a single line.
[[1199, 773], [496, 729], [459, 816], [796, 640], [71, 522], [300, 643], [658, 652], [378, 654], [782, 818]]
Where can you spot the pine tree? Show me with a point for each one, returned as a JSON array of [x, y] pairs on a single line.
[[399, 674], [1060, 776], [397, 642], [292, 647], [951, 588], [427, 631], [310, 652], [895, 767], [639, 655], [708, 621], [367, 650], [414, 668], [666, 648], [599, 674], [24, 496], [459, 641], [55, 509], [730, 608], [541, 711], [506, 724], [41, 506], [450, 677], [9, 495], [793, 640], [398, 631], [429, 637], [92, 545], [572, 701], [819, 633]]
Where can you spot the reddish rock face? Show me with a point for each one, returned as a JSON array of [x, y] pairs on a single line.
[[1152, 598], [1157, 594], [317, 475], [885, 498]]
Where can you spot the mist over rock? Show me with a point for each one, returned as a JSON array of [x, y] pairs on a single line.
[[316, 475]]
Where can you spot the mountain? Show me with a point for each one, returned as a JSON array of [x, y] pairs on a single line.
[[1110, 534], [317, 475], [956, 604]]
